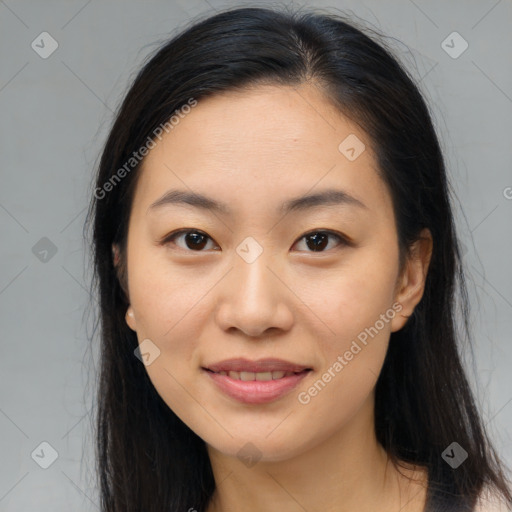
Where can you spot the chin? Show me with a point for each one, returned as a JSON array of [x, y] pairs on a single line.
[[253, 448]]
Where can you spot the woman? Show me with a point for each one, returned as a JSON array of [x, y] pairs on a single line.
[[277, 266]]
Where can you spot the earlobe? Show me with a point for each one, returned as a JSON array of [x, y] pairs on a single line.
[[399, 320], [413, 279], [130, 319]]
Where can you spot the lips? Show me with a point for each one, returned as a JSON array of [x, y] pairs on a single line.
[[256, 382]]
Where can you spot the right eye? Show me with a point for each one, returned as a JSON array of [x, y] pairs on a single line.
[[193, 239]]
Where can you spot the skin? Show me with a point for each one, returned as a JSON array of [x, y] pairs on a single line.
[[253, 150]]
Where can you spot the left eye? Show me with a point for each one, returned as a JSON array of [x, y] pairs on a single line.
[[196, 240], [318, 240]]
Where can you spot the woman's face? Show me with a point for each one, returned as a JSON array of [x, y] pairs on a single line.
[[247, 283]]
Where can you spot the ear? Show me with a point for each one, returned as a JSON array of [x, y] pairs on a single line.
[[115, 254], [411, 282], [116, 259], [130, 319], [120, 268]]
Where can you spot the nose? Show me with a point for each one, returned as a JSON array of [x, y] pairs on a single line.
[[254, 298]]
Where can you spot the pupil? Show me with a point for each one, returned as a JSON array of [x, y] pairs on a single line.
[[318, 241], [195, 237]]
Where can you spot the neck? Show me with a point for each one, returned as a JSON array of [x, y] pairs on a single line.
[[347, 472]]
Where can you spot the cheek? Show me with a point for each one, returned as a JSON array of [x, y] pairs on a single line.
[[168, 307], [169, 310], [351, 306], [162, 296], [352, 298], [355, 305]]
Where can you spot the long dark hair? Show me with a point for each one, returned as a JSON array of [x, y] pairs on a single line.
[[148, 459]]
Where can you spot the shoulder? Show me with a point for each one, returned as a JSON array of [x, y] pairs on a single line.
[[491, 502]]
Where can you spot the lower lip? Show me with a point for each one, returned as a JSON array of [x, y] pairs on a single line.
[[256, 391]]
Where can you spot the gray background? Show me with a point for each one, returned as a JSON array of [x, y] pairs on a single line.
[[55, 115]]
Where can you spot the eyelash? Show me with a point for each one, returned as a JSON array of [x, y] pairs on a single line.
[[342, 240]]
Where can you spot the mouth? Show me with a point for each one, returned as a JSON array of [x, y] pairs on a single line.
[[256, 382], [259, 376]]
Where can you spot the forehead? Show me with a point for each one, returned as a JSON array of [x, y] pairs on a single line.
[[265, 121], [262, 145]]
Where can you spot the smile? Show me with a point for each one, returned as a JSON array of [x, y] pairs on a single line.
[[256, 387], [261, 376]]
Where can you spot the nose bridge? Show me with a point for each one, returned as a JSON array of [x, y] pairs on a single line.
[[254, 279], [253, 299], [254, 282]]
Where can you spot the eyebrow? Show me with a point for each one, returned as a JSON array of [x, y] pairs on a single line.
[[329, 197]]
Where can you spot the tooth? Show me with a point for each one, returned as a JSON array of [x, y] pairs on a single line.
[[261, 376], [264, 376]]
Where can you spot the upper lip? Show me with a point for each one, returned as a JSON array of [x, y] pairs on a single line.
[[261, 365]]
